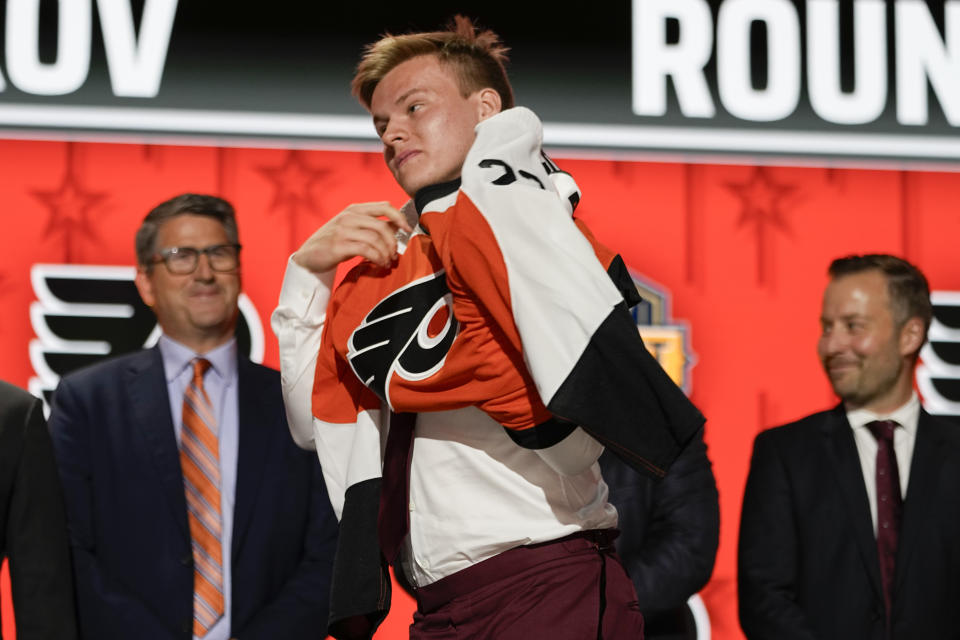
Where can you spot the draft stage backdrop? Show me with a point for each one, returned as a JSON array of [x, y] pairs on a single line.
[[732, 257]]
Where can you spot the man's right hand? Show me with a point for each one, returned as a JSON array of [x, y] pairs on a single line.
[[367, 230]]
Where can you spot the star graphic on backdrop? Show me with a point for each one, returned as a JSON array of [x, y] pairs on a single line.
[[69, 206], [763, 203], [293, 182]]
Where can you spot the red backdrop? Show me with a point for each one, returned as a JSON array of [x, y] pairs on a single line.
[[741, 250]]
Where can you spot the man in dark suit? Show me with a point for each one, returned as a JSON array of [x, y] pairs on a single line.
[[669, 532], [33, 529], [851, 517], [191, 511]]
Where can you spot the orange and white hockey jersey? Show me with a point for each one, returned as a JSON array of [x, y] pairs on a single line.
[[500, 300]]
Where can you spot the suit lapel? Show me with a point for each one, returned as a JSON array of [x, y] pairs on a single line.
[[921, 492], [253, 448], [147, 387], [842, 450]]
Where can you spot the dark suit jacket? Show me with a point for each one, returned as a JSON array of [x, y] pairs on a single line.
[[808, 564], [669, 532], [33, 528], [127, 512]]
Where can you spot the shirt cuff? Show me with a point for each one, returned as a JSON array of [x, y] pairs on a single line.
[[304, 292]]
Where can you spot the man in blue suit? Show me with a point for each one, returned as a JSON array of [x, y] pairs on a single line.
[[191, 511]]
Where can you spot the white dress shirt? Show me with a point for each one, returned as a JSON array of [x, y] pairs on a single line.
[[904, 438]]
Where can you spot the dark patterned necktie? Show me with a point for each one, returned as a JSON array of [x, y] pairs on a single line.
[[889, 505], [393, 518]]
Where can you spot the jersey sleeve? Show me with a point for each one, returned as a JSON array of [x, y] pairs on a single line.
[[346, 418], [517, 248]]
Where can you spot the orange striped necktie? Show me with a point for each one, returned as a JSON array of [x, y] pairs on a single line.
[[200, 461]]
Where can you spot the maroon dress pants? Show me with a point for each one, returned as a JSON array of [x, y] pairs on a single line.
[[574, 588]]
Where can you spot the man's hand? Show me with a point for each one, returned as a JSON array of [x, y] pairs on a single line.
[[367, 230]]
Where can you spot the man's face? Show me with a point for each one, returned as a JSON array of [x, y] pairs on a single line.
[[426, 125], [198, 309], [860, 346]]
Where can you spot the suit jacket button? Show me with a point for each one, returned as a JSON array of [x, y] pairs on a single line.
[[186, 626], [186, 559]]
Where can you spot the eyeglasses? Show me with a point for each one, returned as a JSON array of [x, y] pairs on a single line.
[[184, 260]]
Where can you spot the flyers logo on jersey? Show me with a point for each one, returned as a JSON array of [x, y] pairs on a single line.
[[407, 334]]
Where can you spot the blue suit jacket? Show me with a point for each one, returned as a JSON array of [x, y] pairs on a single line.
[[127, 514]]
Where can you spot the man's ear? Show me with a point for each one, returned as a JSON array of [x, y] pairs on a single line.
[[489, 103], [145, 287], [911, 336]]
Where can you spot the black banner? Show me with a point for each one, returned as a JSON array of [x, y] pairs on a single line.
[[859, 79]]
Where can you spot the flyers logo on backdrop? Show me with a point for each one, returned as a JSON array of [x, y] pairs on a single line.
[[86, 313], [408, 333], [938, 374], [665, 338]]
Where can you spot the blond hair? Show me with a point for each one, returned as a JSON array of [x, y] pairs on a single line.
[[477, 58]]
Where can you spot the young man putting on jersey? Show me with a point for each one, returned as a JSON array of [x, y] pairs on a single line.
[[488, 321]]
